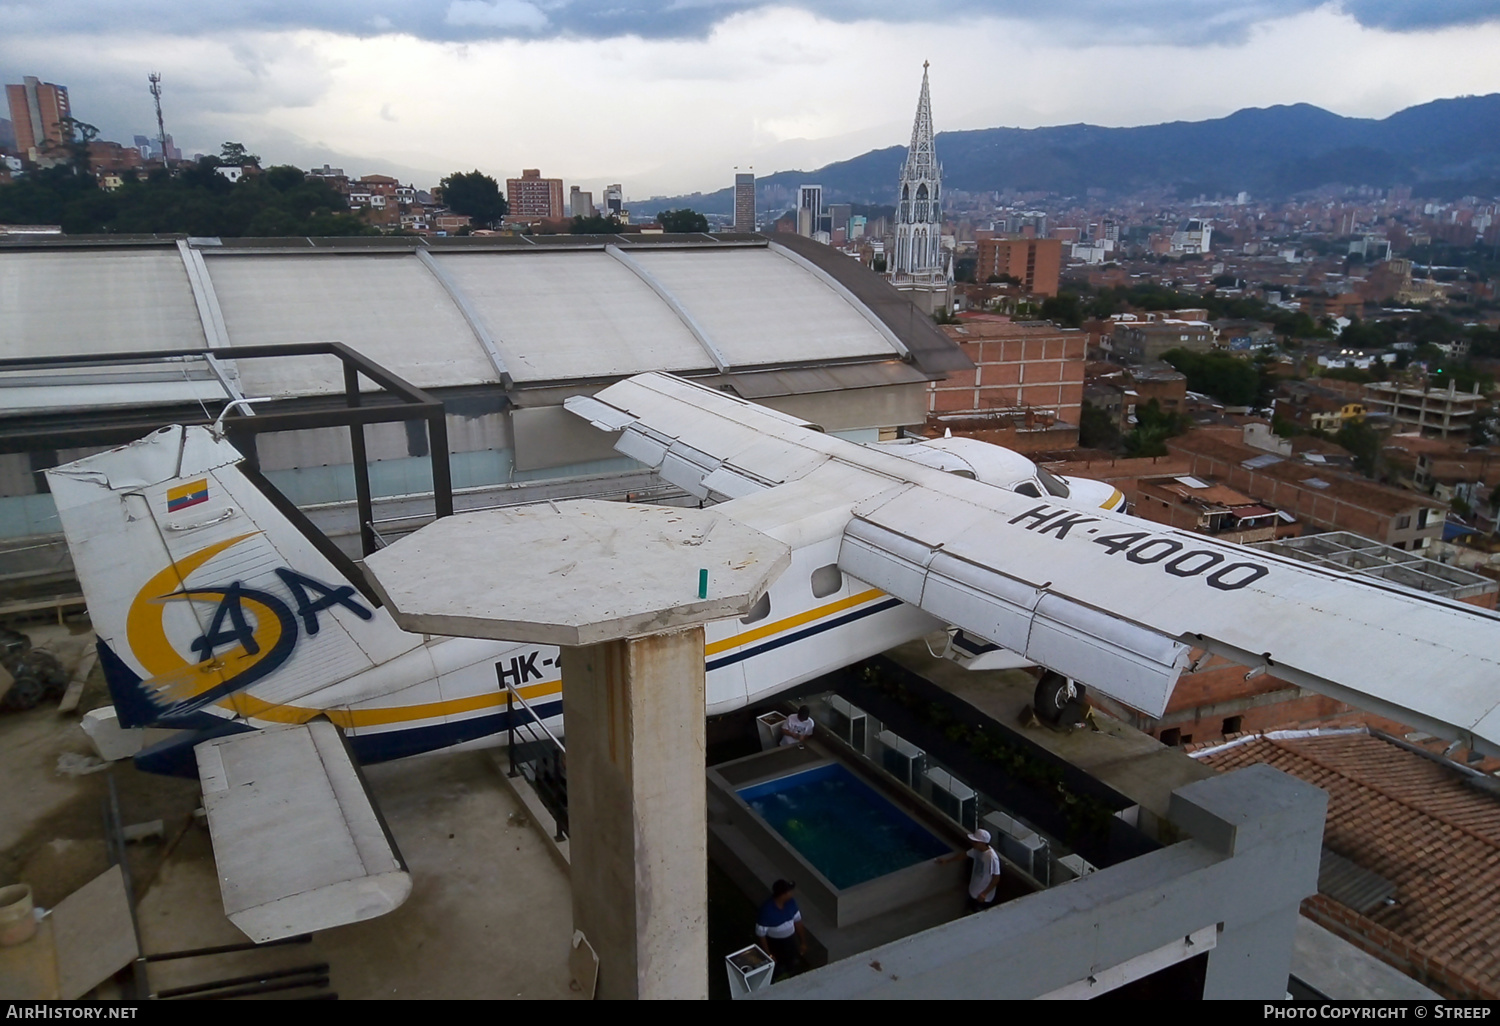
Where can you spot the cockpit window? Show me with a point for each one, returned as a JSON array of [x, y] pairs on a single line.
[[1054, 484], [1027, 488]]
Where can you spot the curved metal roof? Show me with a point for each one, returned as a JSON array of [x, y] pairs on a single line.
[[514, 311]]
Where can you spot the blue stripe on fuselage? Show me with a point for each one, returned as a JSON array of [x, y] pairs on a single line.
[[397, 744], [795, 636]]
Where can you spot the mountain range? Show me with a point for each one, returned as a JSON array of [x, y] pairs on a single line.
[[1445, 148]]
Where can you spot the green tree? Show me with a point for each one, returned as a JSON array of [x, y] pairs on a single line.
[[75, 143], [233, 154], [1363, 442], [1063, 309], [1153, 426], [196, 200], [596, 225], [1232, 381], [684, 220], [475, 194], [1097, 429]]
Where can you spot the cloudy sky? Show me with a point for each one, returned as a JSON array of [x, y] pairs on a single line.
[[668, 96]]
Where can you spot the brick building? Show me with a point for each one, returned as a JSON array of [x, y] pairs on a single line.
[[37, 112], [1147, 340], [532, 196], [1026, 387], [1161, 382], [1213, 509], [378, 185], [1035, 263], [1313, 493], [105, 157]]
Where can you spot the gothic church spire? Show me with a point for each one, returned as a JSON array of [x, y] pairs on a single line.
[[921, 159], [919, 219]]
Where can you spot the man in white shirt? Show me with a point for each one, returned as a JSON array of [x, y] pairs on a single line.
[[797, 727], [984, 878]]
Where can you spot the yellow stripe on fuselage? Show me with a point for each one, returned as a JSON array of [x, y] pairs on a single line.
[[791, 622], [254, 708]]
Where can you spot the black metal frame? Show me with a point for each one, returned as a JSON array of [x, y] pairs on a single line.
[[411, 403], [538, 749]]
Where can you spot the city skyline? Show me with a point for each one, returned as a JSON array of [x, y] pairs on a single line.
[[670, 103]]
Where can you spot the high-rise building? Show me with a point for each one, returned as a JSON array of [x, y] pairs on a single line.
[[614, 200], [580, 203], [1035, 263], [919, 212], [150, 146], [838, 217], [809, 210], [7, 136], [37, 112], [744, 202], [532, 196]]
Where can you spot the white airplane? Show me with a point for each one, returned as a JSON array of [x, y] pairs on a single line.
[[216, 613]]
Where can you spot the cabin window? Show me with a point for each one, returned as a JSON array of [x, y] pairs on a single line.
[[759, 611], [1028, 488], [1050, 481], [826, 580]]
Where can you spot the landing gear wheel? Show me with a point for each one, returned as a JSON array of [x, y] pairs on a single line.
[[1058, 701]]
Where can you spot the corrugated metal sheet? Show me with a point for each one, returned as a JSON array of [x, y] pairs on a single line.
[[92, 301], [799, 380], [561, 311], [556, 316], [1353, 886], [389, 307], [933, 351], [760, 308]]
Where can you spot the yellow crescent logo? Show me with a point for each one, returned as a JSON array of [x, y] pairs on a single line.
[[171, 677]]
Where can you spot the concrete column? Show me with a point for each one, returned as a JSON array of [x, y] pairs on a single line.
[[635, 737], [1252, 961]]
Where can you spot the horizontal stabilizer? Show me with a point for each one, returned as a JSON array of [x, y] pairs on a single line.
[[298, 843]]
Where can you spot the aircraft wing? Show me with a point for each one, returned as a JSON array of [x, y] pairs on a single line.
[[298, 844], [1114, 601]]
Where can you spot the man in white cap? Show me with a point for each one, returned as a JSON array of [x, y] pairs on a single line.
[[984, 880]]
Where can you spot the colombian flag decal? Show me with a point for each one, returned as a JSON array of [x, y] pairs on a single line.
[[190, 494]]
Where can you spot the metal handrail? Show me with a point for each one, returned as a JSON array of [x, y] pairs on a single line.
[[535, 719], [548, 770]]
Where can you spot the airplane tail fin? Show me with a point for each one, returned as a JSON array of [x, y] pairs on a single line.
[[208, 597]]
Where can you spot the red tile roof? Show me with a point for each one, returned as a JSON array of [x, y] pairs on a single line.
[[1416, 823]]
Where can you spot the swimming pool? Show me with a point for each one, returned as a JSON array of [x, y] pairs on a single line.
[[841, 825]]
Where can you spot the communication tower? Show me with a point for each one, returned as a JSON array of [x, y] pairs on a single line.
[[161, 129]]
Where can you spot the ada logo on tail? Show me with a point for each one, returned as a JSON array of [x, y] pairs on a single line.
[[249, 635]]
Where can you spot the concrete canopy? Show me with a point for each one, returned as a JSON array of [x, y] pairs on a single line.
[[574, 573]]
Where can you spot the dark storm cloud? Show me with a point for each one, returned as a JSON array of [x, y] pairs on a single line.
[[466, 20], [1401, 15]]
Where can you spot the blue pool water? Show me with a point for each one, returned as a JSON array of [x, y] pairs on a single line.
[[841, 825]]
